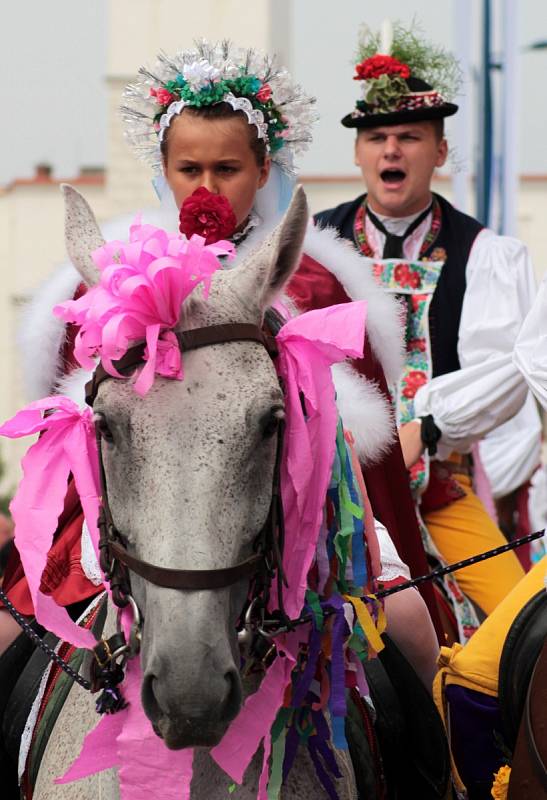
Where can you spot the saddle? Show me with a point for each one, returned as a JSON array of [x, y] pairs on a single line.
[[519, 655], [21, 670], [413, 745], [523, 699], [529, 771]]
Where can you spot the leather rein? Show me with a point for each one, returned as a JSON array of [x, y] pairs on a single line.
[[115, 559]]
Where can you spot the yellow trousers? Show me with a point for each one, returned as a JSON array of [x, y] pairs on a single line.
[[464, 529]]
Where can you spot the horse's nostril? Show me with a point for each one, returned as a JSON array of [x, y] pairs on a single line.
[[232, 704], [149, 699]]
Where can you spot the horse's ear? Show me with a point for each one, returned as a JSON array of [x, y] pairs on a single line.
[[82, 234], [266, 271]]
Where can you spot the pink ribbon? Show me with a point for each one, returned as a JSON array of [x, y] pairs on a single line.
[[308, 346], [66, 445], [127, 740]]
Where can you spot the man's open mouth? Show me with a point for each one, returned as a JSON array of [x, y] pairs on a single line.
[[392, 176]]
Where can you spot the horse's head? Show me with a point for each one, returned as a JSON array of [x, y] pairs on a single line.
[[189, 472]]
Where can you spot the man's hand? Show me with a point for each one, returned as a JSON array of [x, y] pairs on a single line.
[[410, 436]]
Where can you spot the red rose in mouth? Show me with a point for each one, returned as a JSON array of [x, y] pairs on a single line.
[[207, 214]]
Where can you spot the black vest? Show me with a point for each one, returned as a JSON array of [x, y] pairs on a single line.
[[457, 233]]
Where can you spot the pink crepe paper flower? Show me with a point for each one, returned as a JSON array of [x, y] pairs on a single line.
[[143, 284]]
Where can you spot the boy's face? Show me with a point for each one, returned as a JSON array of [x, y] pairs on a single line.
[[397, 164]]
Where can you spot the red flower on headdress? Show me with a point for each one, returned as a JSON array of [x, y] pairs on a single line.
[[264, 93], [163, 97], [209, 215], [378, 65]]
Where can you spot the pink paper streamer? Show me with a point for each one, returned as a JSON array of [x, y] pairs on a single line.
[[66, 445], [253, 723], [97, 753], [148, 768], [308, 346]]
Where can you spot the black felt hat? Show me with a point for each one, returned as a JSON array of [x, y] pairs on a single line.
[[419, 104]]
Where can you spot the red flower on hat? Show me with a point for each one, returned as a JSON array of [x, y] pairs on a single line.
[[378, 65], [209, 215]]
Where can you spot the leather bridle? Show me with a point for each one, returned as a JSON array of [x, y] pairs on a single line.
[[117, 562]]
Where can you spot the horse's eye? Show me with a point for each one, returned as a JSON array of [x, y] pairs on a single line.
[[101, 425], [272, 421]]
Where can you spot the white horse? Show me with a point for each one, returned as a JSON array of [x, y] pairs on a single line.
[[189, 473]]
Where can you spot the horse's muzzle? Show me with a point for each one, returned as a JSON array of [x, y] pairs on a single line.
[[192, 721]]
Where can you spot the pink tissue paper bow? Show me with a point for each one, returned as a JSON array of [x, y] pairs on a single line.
[[142, 286], [67, 445]]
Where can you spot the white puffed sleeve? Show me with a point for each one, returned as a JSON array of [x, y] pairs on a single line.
[[530, 354], [487, 390], [392, 565], [511, 453]]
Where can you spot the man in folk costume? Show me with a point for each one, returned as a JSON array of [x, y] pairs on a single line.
[[464, 292]]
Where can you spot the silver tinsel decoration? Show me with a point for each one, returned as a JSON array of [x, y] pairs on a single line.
[[225, 60]]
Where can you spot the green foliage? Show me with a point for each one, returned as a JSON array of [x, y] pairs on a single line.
[[384, 92], [426, 60]]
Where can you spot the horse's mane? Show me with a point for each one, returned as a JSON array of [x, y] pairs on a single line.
[[273, 321]]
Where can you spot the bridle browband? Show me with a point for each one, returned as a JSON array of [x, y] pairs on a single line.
[[115, 559]]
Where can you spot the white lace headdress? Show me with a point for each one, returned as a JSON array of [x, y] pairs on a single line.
[[247, 80]]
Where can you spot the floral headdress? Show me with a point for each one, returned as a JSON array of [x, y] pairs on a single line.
[[216, 73], [404, 78]]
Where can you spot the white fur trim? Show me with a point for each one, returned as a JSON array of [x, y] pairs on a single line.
[[73, 385], [364, 411], [384, 322], [41, 334]]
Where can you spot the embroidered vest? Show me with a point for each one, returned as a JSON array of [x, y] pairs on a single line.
[[432, 289]]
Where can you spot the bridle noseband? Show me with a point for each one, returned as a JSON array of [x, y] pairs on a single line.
[[116, 561]]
